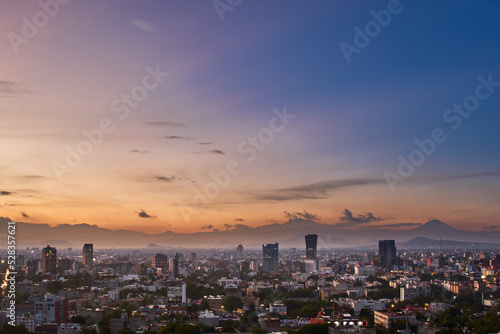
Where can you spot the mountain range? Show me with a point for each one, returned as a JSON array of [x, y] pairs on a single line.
[[288, 234]]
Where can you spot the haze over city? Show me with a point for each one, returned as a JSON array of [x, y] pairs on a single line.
[[187, 117]]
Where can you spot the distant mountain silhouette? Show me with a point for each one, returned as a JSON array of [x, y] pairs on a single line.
[[421, 242], [288, 234], [155, 246], [435, 226]]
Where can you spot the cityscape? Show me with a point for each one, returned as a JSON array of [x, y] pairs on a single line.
[[250, 166], [303, 289]]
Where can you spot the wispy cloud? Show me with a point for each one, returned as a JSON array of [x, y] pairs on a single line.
[[205, 143], [490, 228], [212, 152], [140, 151], [11, 87], [143, 214], [208, 227], [317, 190], [179, 137], [234, 227], [144, 25], [25, 215], [393, 225], [169, 178], [301, 215], [464, 176], [239, 220], [5, 193], [164, 124]]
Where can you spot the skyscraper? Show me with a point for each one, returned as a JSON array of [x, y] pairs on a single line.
[[270, 257], [239, 250], [174, 265], [88, 255], [49, 260], [160, 261], [311, 246], [387, 253]]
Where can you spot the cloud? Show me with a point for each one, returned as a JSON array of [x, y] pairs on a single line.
[[143, 214], [11, 87], [167, 179], [240, 227], [216, 152], [24, 215], [465, 176], [272, 221], [140, 151], [490, 228], [208, 227], [348, 219], [172, 178], [164, 124], [301, 215], [235, 227], [317, 190], [394, 225], [239, 220], [144, 25], [360, 219], [213, 152], [205, 143], [5, 193], [179, 137]]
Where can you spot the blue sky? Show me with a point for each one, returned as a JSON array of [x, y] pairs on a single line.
[[353, 120]]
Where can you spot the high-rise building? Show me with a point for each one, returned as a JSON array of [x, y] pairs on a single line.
[[160, 261], [173, 265], [66, 264], [239, 250], [88, 255], [31, 268], [387, 253], [311, 246], [270, 257], [49, 260], [194, 257], [51, 310]]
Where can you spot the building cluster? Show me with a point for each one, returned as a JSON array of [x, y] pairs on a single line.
[[351, 291]]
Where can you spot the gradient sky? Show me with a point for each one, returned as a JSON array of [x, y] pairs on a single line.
[[225, 78]]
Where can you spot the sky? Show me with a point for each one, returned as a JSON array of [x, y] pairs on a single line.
[[194, 115]]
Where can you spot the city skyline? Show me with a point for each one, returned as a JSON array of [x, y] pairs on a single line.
[[179, 117]]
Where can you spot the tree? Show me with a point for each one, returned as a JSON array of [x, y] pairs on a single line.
[[104, 330], [314, 329], [230, 326], [232, 303], [257, 330], [89, 331], [204, 305], [78, 319], [401, 325], [8, 329]]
